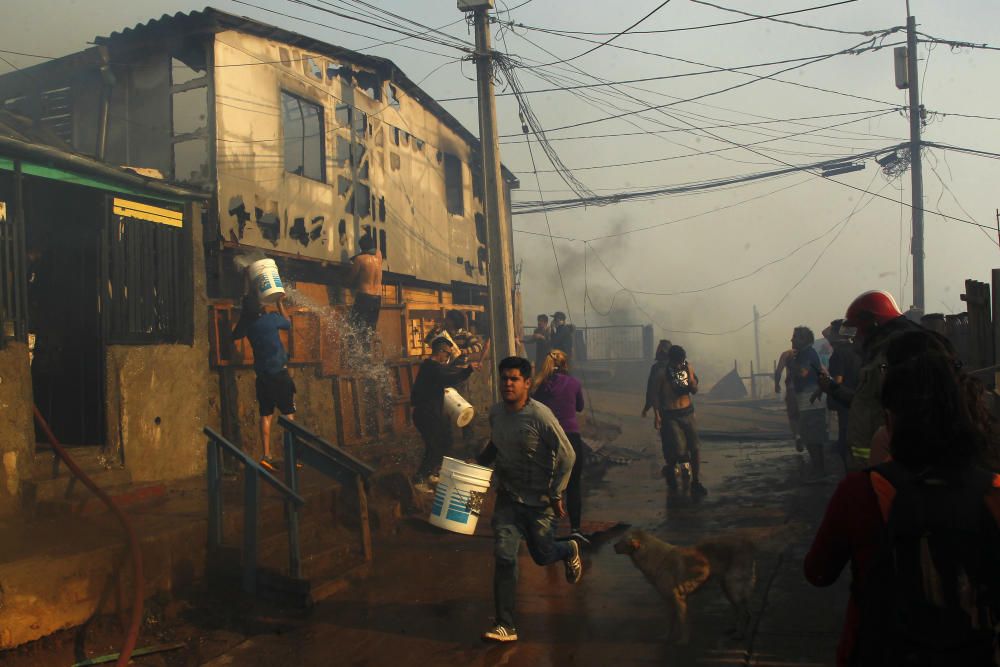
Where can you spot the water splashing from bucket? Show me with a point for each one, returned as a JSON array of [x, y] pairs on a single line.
[[375, 381]]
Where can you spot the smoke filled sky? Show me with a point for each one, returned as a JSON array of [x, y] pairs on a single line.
[[820, 241]]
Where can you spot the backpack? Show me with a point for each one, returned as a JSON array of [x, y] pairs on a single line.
[[932, 595]]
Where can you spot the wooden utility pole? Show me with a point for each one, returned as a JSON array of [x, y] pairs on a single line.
[[498, 234], [916, 168]]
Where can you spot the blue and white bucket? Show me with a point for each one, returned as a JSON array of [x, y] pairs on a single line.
[[266, 280], [460, 496]]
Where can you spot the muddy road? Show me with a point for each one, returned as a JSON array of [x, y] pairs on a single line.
[[429, 595]]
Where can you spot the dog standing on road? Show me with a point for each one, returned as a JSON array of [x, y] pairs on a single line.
[[676, 572]]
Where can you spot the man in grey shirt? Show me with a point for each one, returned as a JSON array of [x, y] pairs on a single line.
[[533, 460]]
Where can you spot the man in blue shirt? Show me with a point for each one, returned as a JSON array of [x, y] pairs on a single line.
[[275, 387]]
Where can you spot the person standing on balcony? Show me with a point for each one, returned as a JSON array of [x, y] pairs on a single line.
[[366, 279]]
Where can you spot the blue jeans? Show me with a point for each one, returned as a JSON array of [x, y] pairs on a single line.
[[511, 522]]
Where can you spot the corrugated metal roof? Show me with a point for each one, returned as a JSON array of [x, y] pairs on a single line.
[[211, 20]]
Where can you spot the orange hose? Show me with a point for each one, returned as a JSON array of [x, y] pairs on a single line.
[[132, 636]]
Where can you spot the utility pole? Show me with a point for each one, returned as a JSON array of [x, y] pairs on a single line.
[[916, 169], [756, 340], [498, 233]]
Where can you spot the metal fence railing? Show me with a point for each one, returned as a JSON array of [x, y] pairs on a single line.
[[628, 342]]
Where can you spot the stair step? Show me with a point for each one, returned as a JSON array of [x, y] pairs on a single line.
[[70, 488], [129, 496], [91, 460]]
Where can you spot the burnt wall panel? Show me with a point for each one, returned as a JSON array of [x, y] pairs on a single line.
[[384, 166]]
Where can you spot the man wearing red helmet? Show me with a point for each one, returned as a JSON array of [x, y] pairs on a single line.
[[875, 319]]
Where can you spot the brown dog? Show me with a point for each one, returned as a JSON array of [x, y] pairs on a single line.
[[676, 572]]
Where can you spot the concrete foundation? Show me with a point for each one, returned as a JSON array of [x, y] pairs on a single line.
[[17, 441]]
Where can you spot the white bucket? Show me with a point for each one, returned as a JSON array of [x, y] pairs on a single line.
[[457, 408], [460, 496], [264, 275]]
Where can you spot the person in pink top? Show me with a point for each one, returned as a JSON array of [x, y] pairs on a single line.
[[562, 393]]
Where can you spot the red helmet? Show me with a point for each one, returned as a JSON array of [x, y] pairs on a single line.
[[873, 308]]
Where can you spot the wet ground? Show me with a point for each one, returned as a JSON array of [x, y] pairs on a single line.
[[429, 595]]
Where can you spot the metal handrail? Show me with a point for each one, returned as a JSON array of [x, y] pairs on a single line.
[[338, 454], [302, 445], [253, 474]]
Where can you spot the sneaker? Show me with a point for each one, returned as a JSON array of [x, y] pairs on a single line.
[[574, 566], [698, 490], [500, 633], [269, 464], [577, 536]]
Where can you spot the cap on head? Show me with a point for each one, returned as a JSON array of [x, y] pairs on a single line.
[[871, 309], [366, 242]]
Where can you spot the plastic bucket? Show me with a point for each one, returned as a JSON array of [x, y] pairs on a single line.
[[264, 275], [457, 408], [460, 496]]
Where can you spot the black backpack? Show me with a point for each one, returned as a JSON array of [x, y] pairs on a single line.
[[932, 596]]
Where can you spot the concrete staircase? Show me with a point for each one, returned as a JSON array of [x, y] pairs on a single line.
[[53, 490], [329, 543]]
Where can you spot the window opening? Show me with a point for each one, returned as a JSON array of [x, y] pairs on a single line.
[[454, 188], [302, 123]]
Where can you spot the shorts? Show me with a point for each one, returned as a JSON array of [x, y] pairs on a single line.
[[276, 390], [365, 310]]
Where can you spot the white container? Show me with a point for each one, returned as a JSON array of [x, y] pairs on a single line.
[[267, 282], [460, 496], [457, 408]]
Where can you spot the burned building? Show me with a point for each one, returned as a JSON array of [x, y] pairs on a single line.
[[278, 142]]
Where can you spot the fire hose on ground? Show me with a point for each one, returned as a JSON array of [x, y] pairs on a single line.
[[132, 635]]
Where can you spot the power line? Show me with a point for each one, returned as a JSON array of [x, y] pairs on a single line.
[[733, 146], [711, 70], [525, 207], [552, 242], [339, 29], [866, 33], [755, 79], [693, 62], [857, 208], [696, 27], [955, 44], [611, 39], [709, 127]]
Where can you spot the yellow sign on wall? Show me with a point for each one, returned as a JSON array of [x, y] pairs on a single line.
[[139, 211]]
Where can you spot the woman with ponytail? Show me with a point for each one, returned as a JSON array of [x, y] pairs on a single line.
[[562, 393]]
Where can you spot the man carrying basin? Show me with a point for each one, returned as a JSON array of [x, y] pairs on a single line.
[[427, 398], [533, 459]]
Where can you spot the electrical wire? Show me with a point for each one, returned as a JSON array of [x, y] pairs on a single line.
[[843, 225], [693, 62], [756, 78], [711, 70], [608, 41], [755, 123], [525, 207], [548, 226], [866, 33], [734, 146], [696, 27]]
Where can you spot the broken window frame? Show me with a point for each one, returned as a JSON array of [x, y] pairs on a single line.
[[454, 192], [319, 135], [148, 288]]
